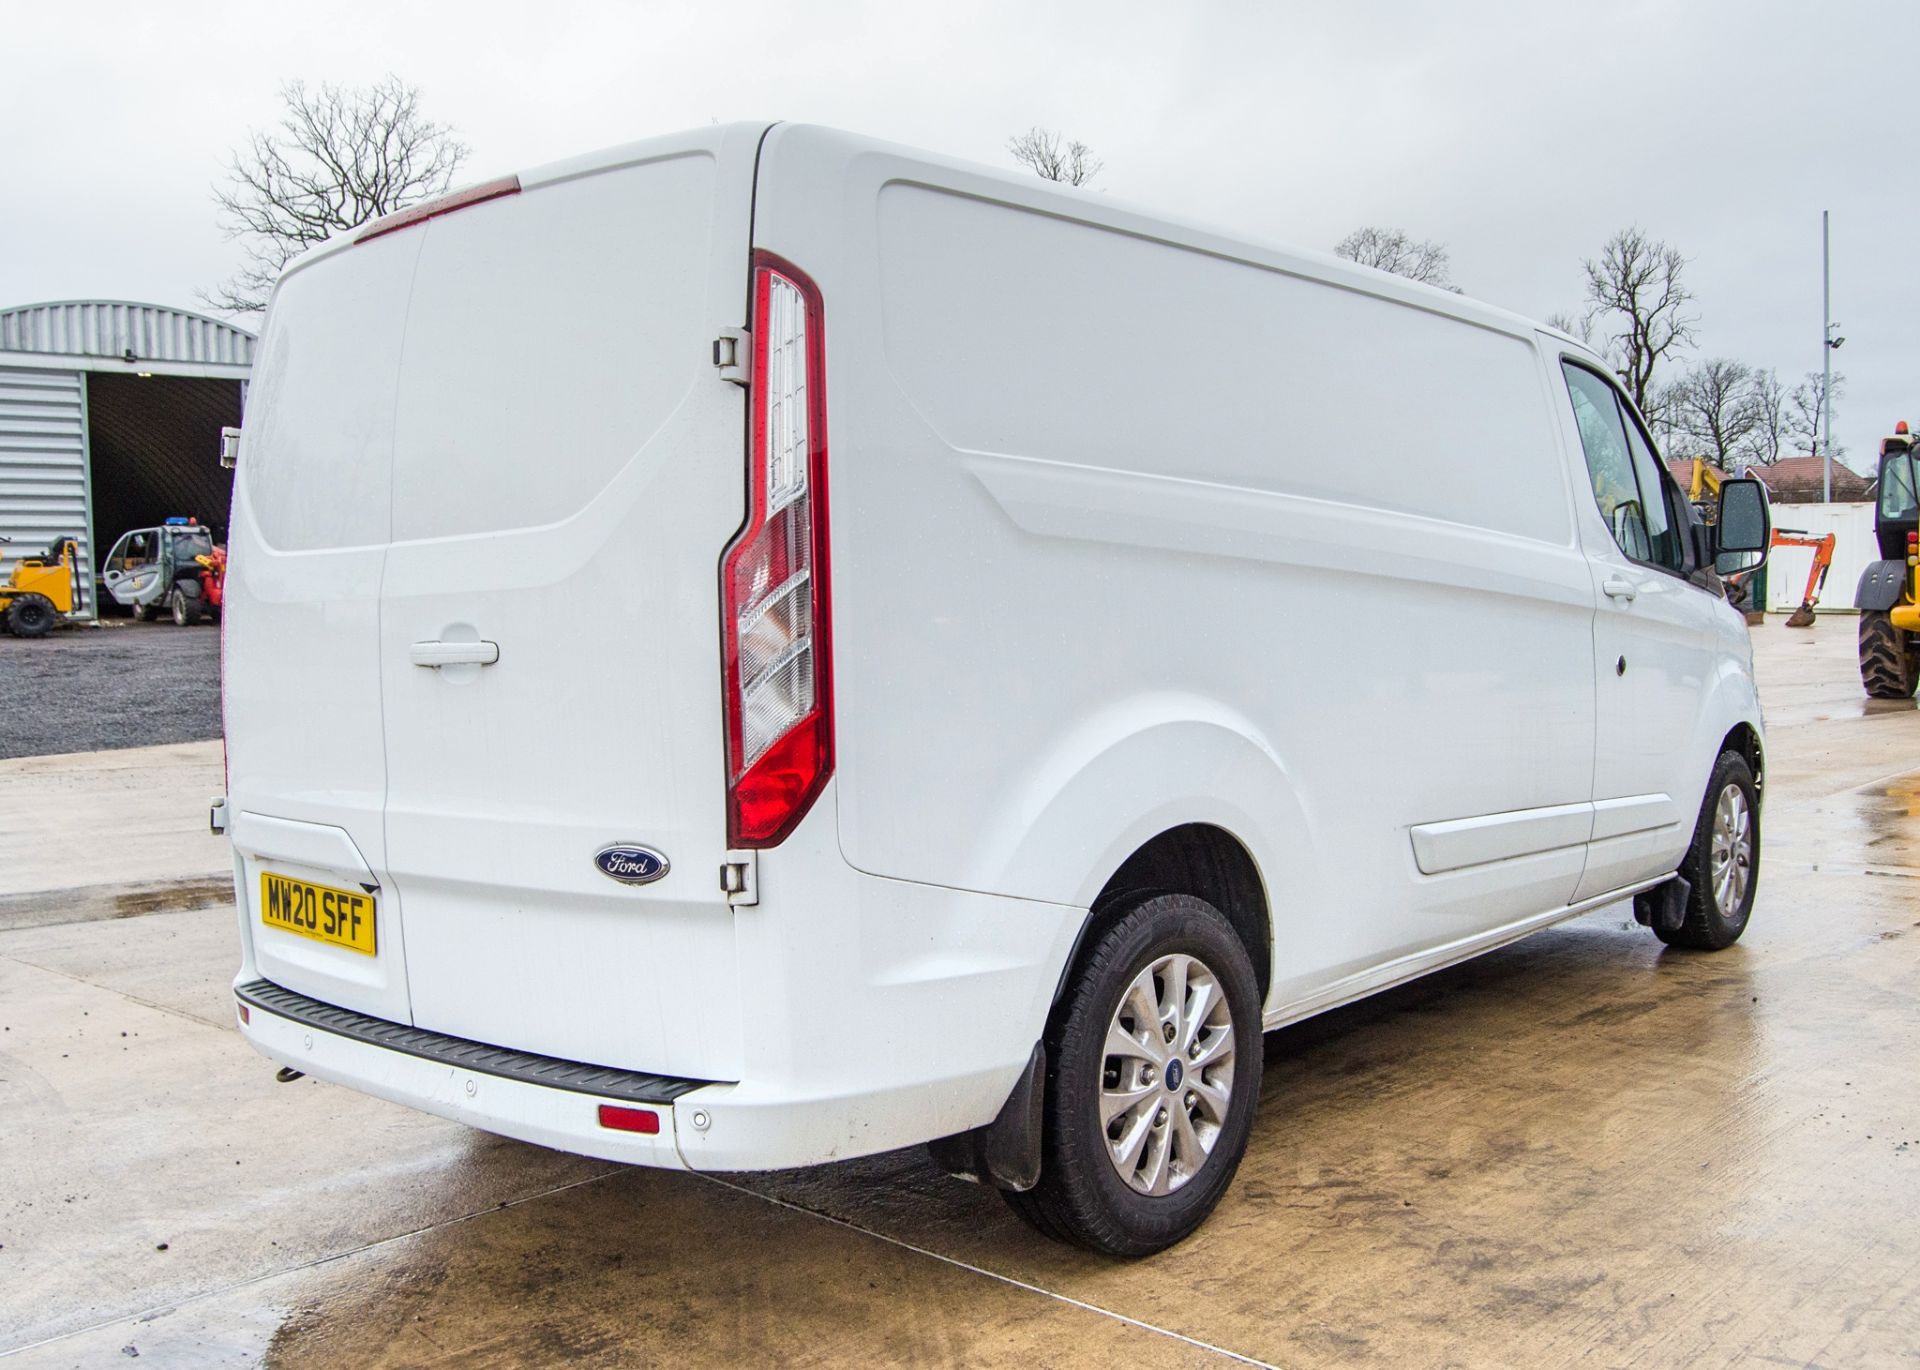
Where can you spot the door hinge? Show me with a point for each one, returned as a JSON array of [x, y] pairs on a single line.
[[732, 352], [740, 878]]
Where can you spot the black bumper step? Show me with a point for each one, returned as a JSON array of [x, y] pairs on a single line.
[[628, 1086]]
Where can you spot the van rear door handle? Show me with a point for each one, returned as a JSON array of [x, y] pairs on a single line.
[[1618, 587], [438, 654]]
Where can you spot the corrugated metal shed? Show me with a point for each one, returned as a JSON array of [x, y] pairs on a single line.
[[43, 462], [110, 330], [53, 357]]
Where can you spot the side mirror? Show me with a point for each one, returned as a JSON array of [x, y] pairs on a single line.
[[1744, 529]]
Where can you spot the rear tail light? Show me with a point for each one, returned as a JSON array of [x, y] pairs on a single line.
[[774, 589]]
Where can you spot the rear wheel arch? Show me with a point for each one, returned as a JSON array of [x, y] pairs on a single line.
[[1744, 740], [1200, 859]]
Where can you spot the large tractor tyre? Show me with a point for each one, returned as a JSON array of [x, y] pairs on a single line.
[[184, 603], [1723, 864], [31, 616], [1888, 657], [1153, 1070]]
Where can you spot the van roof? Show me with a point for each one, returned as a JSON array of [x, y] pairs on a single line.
[[1048, 197]]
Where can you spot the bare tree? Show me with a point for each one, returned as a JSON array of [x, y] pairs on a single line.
[[341, 155], [1048, 156], [1768, 398], [1805, 403], [1390, 249], [1636, 293], [1581, 327], [1712, 406]]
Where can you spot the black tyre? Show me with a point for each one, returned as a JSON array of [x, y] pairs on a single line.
[[1889, 657], [31, 616], [1723, 864], [1138, 1145], [185, 604]]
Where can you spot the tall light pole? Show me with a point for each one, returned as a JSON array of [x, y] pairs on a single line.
[[1826, 365], [1829, 344]]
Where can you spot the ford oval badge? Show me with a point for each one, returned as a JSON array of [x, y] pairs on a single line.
[[631, 864]]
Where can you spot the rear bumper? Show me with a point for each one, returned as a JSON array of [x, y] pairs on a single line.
[[703, 1126], [881, 1014], [281, 1027]]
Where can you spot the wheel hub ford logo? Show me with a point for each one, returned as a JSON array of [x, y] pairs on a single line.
[[630, 864]]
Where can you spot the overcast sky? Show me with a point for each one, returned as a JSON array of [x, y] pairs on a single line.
[[1519, 135]]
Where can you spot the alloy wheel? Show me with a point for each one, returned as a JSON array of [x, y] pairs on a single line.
[[1730, 851], [1166, 1074]]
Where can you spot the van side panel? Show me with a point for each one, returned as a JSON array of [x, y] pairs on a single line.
[[1094, 488]]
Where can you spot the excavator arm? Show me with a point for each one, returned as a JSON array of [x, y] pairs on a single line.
[[1816, 574]]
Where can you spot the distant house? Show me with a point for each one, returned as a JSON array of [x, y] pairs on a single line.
[[1793, 480], [1799, 480]]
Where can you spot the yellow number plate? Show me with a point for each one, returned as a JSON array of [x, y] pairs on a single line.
[[343, 918]]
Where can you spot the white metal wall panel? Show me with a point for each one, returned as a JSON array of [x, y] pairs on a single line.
[[43, 464], [1853, 549], [123, 331]]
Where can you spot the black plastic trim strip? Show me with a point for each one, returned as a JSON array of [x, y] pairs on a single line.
[[628, 1086]]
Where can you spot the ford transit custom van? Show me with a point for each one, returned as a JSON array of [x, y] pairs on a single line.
[[762, 646]]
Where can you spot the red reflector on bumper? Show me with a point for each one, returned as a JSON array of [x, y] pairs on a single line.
[[629, 1119], [245, 1016]]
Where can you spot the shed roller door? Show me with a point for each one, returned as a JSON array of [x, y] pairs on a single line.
[[43, 466]]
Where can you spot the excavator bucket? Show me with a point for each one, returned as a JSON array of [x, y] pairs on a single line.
[[1801, 617]]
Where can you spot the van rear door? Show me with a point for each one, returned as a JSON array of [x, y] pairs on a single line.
[[567, 471], [311, 519]]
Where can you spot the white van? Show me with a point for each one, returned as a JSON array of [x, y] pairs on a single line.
[[761, 646]]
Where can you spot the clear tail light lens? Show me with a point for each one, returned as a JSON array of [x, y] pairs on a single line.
[[774, 577]]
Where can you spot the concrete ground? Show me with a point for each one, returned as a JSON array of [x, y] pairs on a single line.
[[1580, 1148]]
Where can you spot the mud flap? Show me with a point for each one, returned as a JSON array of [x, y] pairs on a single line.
[[1664, 907], [1006, 1152]]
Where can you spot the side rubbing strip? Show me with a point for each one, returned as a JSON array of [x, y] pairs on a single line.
[[1460, 842], [630, 1086]]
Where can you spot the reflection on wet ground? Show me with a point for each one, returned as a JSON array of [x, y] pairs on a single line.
[[1582, 1147]]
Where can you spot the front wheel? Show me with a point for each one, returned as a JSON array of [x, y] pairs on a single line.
[[185, 607], [1723, 864], [31, 616], [1889, 657], [1153, 1071]]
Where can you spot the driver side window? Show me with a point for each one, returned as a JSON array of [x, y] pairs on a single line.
[[1626, 477]]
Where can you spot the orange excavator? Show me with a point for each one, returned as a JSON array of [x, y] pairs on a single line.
[[1705, 485], [1816, 574]]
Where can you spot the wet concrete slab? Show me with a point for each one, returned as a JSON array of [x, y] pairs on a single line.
[[1583, 1147], [112, 834]]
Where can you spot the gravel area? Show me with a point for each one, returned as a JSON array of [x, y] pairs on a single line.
[[123, 684]]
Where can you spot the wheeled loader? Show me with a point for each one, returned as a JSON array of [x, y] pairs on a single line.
[[39, 592], [1889, 595]]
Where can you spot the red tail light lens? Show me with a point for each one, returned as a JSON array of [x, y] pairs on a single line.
[[630, 1119], [774, 589]]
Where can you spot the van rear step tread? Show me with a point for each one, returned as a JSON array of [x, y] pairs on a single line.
[[630, 1086]]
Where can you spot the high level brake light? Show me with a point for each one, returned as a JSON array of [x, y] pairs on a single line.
[[445, 204], [774, 590]]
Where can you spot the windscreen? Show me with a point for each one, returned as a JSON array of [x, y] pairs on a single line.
[[1899, 502]]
